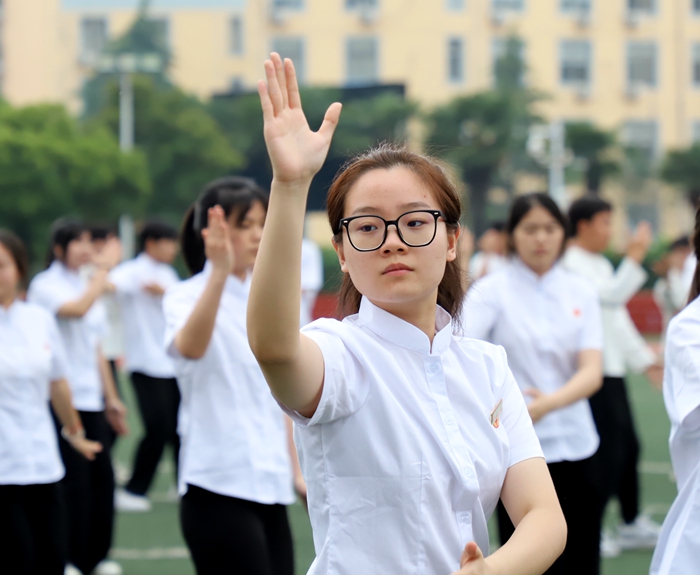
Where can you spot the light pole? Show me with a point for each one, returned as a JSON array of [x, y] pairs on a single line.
[[546, 144], [127, 64]]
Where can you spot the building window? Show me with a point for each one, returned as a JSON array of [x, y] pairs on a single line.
[[236, 84], [93, 39], [575, 58], [640, 138], [508, 5], [236, 35], [292, 48], [696, 65], [641, 64], [455, 60], [352, 4], [288, 4], [696, 7], [641, 6], [362, 60], [454, 4], [576, 6]]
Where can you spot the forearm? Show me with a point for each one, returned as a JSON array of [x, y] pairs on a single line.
[[193, 339], [109, 386], [62, 403], [78, 308], [275, 295], [627, 281], [538, 540], [585, 382]]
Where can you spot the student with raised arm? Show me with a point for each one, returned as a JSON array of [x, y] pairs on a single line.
[[235, 473], [407, 433], [33, 367]]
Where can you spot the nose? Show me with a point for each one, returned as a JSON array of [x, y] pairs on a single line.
[[393, 241]]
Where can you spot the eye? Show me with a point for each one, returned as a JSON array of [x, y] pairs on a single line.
[[367, 228]]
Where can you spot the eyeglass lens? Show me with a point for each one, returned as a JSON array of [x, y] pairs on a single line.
[[416, 229]]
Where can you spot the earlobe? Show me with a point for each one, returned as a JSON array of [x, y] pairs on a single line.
[[341, 255], [452, 242]]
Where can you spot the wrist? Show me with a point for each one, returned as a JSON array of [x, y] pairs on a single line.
[[636, 254], [293, 186], [73, 433]]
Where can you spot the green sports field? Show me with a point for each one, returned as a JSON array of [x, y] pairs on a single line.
[[151, 543]]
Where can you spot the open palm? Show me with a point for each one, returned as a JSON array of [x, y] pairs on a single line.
[[296, 152]]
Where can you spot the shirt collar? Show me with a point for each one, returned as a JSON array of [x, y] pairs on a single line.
[[400, 332], [8, 314], [525, 272], [233, 284]]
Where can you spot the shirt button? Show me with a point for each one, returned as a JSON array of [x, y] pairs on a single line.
[[434, 368], [449, 421], [468, 473], [465, 516]]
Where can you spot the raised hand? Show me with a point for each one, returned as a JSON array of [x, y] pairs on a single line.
[[217, 241], [640, 242], [110, 255], [296, 152]]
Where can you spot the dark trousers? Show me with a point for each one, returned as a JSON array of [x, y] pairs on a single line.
[[582, 504], [230, 536], [32, 529], [615, 463], [89, 489], [159, 400]]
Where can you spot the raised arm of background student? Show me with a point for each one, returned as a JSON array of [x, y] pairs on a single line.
[[292, 363], [62, 404], [115, 410], [193, 339], [630, 276], [99, 282]]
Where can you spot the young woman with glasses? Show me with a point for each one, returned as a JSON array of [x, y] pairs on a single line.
[[407, 433]]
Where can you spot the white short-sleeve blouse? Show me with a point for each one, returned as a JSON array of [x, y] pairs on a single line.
[[406, 454]]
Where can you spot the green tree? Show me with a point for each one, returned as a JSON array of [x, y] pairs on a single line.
[[49, 168], [682, 168], [483, 135], [184, 146], [596, 148]]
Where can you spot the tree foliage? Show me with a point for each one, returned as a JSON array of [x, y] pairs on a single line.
[[596, 148], [682, 168], [49, 168]]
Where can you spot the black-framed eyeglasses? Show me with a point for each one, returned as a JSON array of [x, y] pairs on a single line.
[[368, 233]]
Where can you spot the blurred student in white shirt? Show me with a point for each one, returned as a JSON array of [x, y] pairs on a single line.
[[236, 461], [549, 322], [63, 291], [491, 257], [139, 287], [625, 348], [670, 290], [311, 279], [407, 432], [679, 542], [33, 368]]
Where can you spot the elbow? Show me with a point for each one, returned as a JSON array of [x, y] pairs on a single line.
[[562, 533], [189, 350], [268, 352]]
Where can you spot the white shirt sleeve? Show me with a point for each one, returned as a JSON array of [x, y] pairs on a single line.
[[123, 280], [638, 355], [592, 333], [49, 295], [344, 388], [687, 391], [480, 310], [516, 420], [177, 308], [58, 353], [627, 280]]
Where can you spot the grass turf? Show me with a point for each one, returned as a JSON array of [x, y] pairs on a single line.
[[151, 543]]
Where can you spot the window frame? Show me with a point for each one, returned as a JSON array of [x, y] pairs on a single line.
[[455, 5], [462, 60], [349, 81], [299, 63], [509, 9], [84, 55], [236, 44], [628, 64], [283, 5], [651, 11]]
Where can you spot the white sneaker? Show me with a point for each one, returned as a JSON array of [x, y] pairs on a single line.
[[609, 547], [642, 534], [108, 567], [72, 570], [130, 503]]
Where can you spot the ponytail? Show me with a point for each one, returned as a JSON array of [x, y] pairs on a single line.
[[695, 287], [235, 195]]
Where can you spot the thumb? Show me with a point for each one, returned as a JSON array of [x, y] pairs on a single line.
[[330, 120], [471, 553]]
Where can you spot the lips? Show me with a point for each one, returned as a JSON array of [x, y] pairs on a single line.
[[396, 269]]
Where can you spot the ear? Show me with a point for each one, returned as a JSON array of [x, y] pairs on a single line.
[[58, 253], [452, 243], [340, 252]]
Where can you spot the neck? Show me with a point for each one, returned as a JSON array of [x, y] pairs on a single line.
[[420, 314], [240, 274], [6, 299], [583, 244]]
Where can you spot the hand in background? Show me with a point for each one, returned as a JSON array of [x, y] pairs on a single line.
[[217, 241], [655, 374], [640, 242], [116, 416], [110, 255]]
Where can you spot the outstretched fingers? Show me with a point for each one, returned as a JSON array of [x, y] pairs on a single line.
[[281, 77], [292, 84], [265, 101], [273, 88], [330, 120]]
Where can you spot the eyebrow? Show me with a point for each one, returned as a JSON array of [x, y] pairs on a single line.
[[409, 206]]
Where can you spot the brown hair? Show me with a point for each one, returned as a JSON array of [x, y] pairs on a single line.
[[695, 287], [384, 157], [14, 245]]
